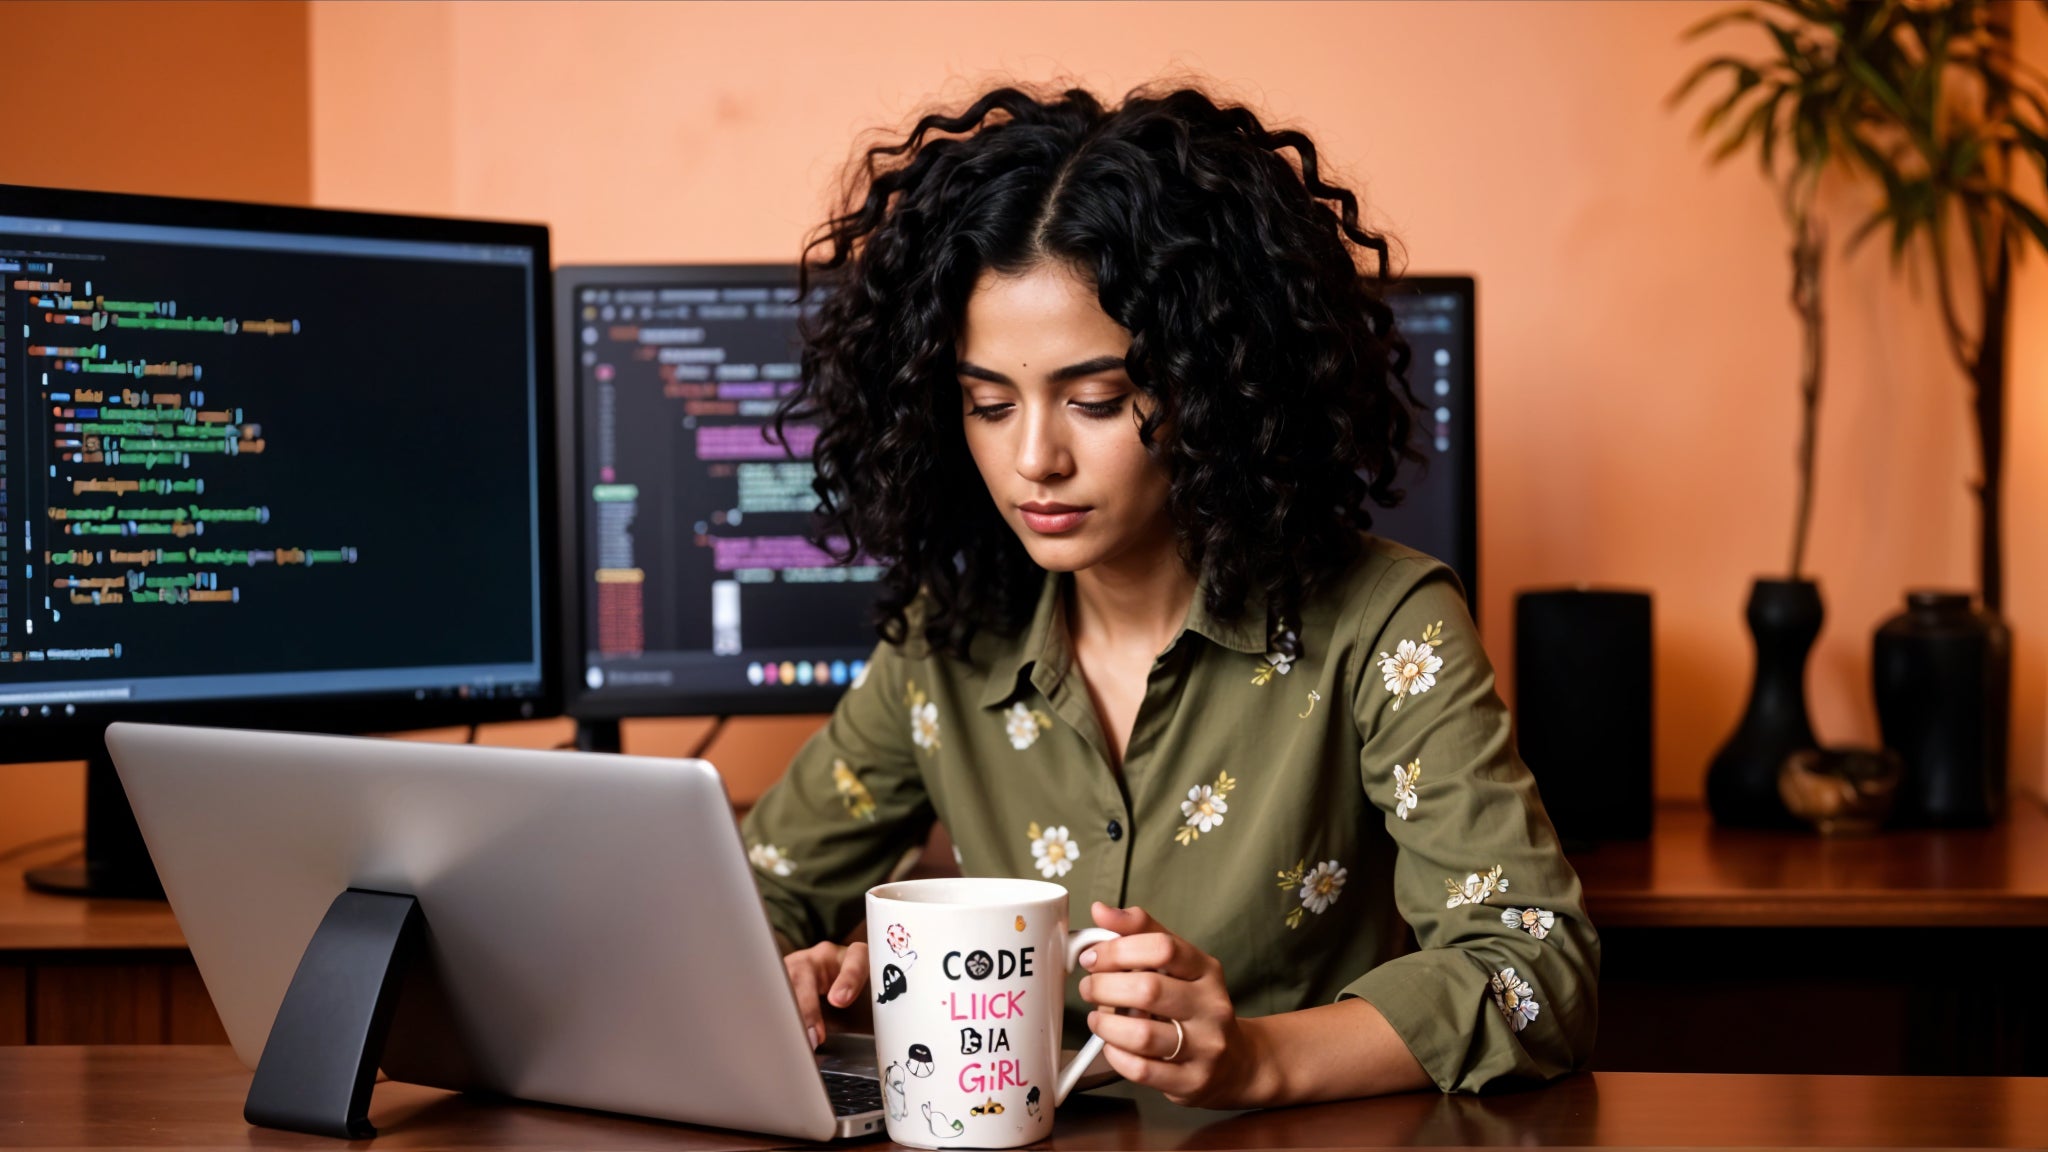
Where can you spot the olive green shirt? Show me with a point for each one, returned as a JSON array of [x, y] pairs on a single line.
[[1285, 815]]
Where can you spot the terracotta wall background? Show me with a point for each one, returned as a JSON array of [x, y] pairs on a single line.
[[1638, 409]]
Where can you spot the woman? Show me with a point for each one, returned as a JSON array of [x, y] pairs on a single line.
[[1104, 389]]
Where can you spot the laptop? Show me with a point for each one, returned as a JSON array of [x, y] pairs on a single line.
[[594, 936]]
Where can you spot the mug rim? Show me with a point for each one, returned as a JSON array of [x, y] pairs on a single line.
[[1027, 891]]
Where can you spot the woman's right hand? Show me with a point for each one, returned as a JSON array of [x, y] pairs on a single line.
[[829, 970]]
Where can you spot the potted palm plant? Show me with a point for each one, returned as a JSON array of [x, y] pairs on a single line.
[[1791, 107], [1931, 105]]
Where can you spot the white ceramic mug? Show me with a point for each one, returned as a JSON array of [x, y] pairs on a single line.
[[969, 982]]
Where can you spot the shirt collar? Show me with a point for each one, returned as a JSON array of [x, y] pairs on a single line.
[[1045, 641]]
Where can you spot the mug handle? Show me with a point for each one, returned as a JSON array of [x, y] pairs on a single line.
[[1078, 942]]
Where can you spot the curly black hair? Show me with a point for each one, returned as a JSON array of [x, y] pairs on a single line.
[[1275, 364]]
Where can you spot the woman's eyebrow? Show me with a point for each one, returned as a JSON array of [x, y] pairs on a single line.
[[1087, 367]]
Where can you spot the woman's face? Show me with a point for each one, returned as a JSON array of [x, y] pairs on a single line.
[[1052, 420]]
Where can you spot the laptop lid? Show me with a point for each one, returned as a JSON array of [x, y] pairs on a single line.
[[594, 936]]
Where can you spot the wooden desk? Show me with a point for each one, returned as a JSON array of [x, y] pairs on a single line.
[[1724, 951], [191, 1098], [1692, 874], [1744, 951]]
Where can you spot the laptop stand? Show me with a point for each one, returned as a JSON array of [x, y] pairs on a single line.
[[320, 1062]]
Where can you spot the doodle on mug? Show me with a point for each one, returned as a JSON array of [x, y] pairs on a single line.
[[893, 984], [899, 943], [941, 1125], [980, 964], [1020, 923], [1031, 1102], [920, 1061], [989, 1106], [893, 1088]]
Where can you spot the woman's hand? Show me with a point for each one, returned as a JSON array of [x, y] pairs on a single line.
[[829, 970], [1163, 978]]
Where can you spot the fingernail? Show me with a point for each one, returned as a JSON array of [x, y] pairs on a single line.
[[812, 1031], [1088, 958]]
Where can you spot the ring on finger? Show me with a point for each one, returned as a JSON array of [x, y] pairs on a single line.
[[1180, 1037]]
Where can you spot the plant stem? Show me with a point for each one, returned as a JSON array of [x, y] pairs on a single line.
[[1808, 246]]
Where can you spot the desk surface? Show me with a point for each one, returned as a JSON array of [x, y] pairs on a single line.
[[1691, 873], [1688, 874], [191, 1098]]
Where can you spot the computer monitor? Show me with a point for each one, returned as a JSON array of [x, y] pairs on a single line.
[[1440, 515], [266, 467], [694, 590]]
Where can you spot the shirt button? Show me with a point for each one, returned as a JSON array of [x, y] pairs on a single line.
[[1115, 830]]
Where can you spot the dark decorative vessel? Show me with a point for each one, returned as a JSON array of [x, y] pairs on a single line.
[[1742, 781], [1943, 674]]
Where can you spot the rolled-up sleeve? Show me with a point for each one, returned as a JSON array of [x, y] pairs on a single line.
[[851, 805], [1503, 988]]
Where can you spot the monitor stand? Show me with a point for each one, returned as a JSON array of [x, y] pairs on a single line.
[[598, 736], [116, 861]]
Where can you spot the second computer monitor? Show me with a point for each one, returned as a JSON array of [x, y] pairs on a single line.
[[695, 588], [699, 592]]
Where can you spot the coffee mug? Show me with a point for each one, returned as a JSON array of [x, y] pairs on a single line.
[[969, 980]]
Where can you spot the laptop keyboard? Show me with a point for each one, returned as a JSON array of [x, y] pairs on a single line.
[[852, 1095]]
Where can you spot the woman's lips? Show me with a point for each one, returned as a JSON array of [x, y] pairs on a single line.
[[1052, 519]]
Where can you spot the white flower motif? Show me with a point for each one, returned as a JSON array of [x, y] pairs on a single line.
[[1024, 725], [924, 725], [1476, 888], [1405, 780], [1321, 887], [1204, 807], [1053, 851], [769, 858], [1411, 670], [1536, 922], [1515, 999]]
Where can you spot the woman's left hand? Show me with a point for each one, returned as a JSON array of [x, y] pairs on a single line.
[[1163, 978]]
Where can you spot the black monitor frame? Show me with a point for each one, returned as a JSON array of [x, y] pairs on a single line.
[[1465, 432], [70, 738], [600, 713]]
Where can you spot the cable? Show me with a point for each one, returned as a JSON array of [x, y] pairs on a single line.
[[704, 745]]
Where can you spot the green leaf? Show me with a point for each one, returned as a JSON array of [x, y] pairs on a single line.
[[1706, 69], [1719, 19], [2028, 217]]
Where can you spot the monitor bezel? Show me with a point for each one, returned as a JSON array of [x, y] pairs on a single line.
[[39, 738], [1465, 433], [578, 700]]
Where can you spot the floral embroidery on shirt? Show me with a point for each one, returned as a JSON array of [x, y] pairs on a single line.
[[1476, 888], [860, 803], [1405, 780], [1536, 922], [769, 858], [1313, 696], [1052, 850], [1318, 887], [1024, 725], [1412, 669], [924, 718], [1515, 999], [1277, 661], [1204, 808]]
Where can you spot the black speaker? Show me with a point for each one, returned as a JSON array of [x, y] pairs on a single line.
[[1583, 700]]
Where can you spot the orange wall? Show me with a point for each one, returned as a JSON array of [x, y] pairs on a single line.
[[185, 99], [189, 99], [1638, 412]]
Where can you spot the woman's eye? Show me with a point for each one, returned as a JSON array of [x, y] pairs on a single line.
[[1099, 409], [989, 411]]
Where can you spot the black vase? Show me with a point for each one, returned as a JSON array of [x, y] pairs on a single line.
[[1742, 781], [1943, 674]]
